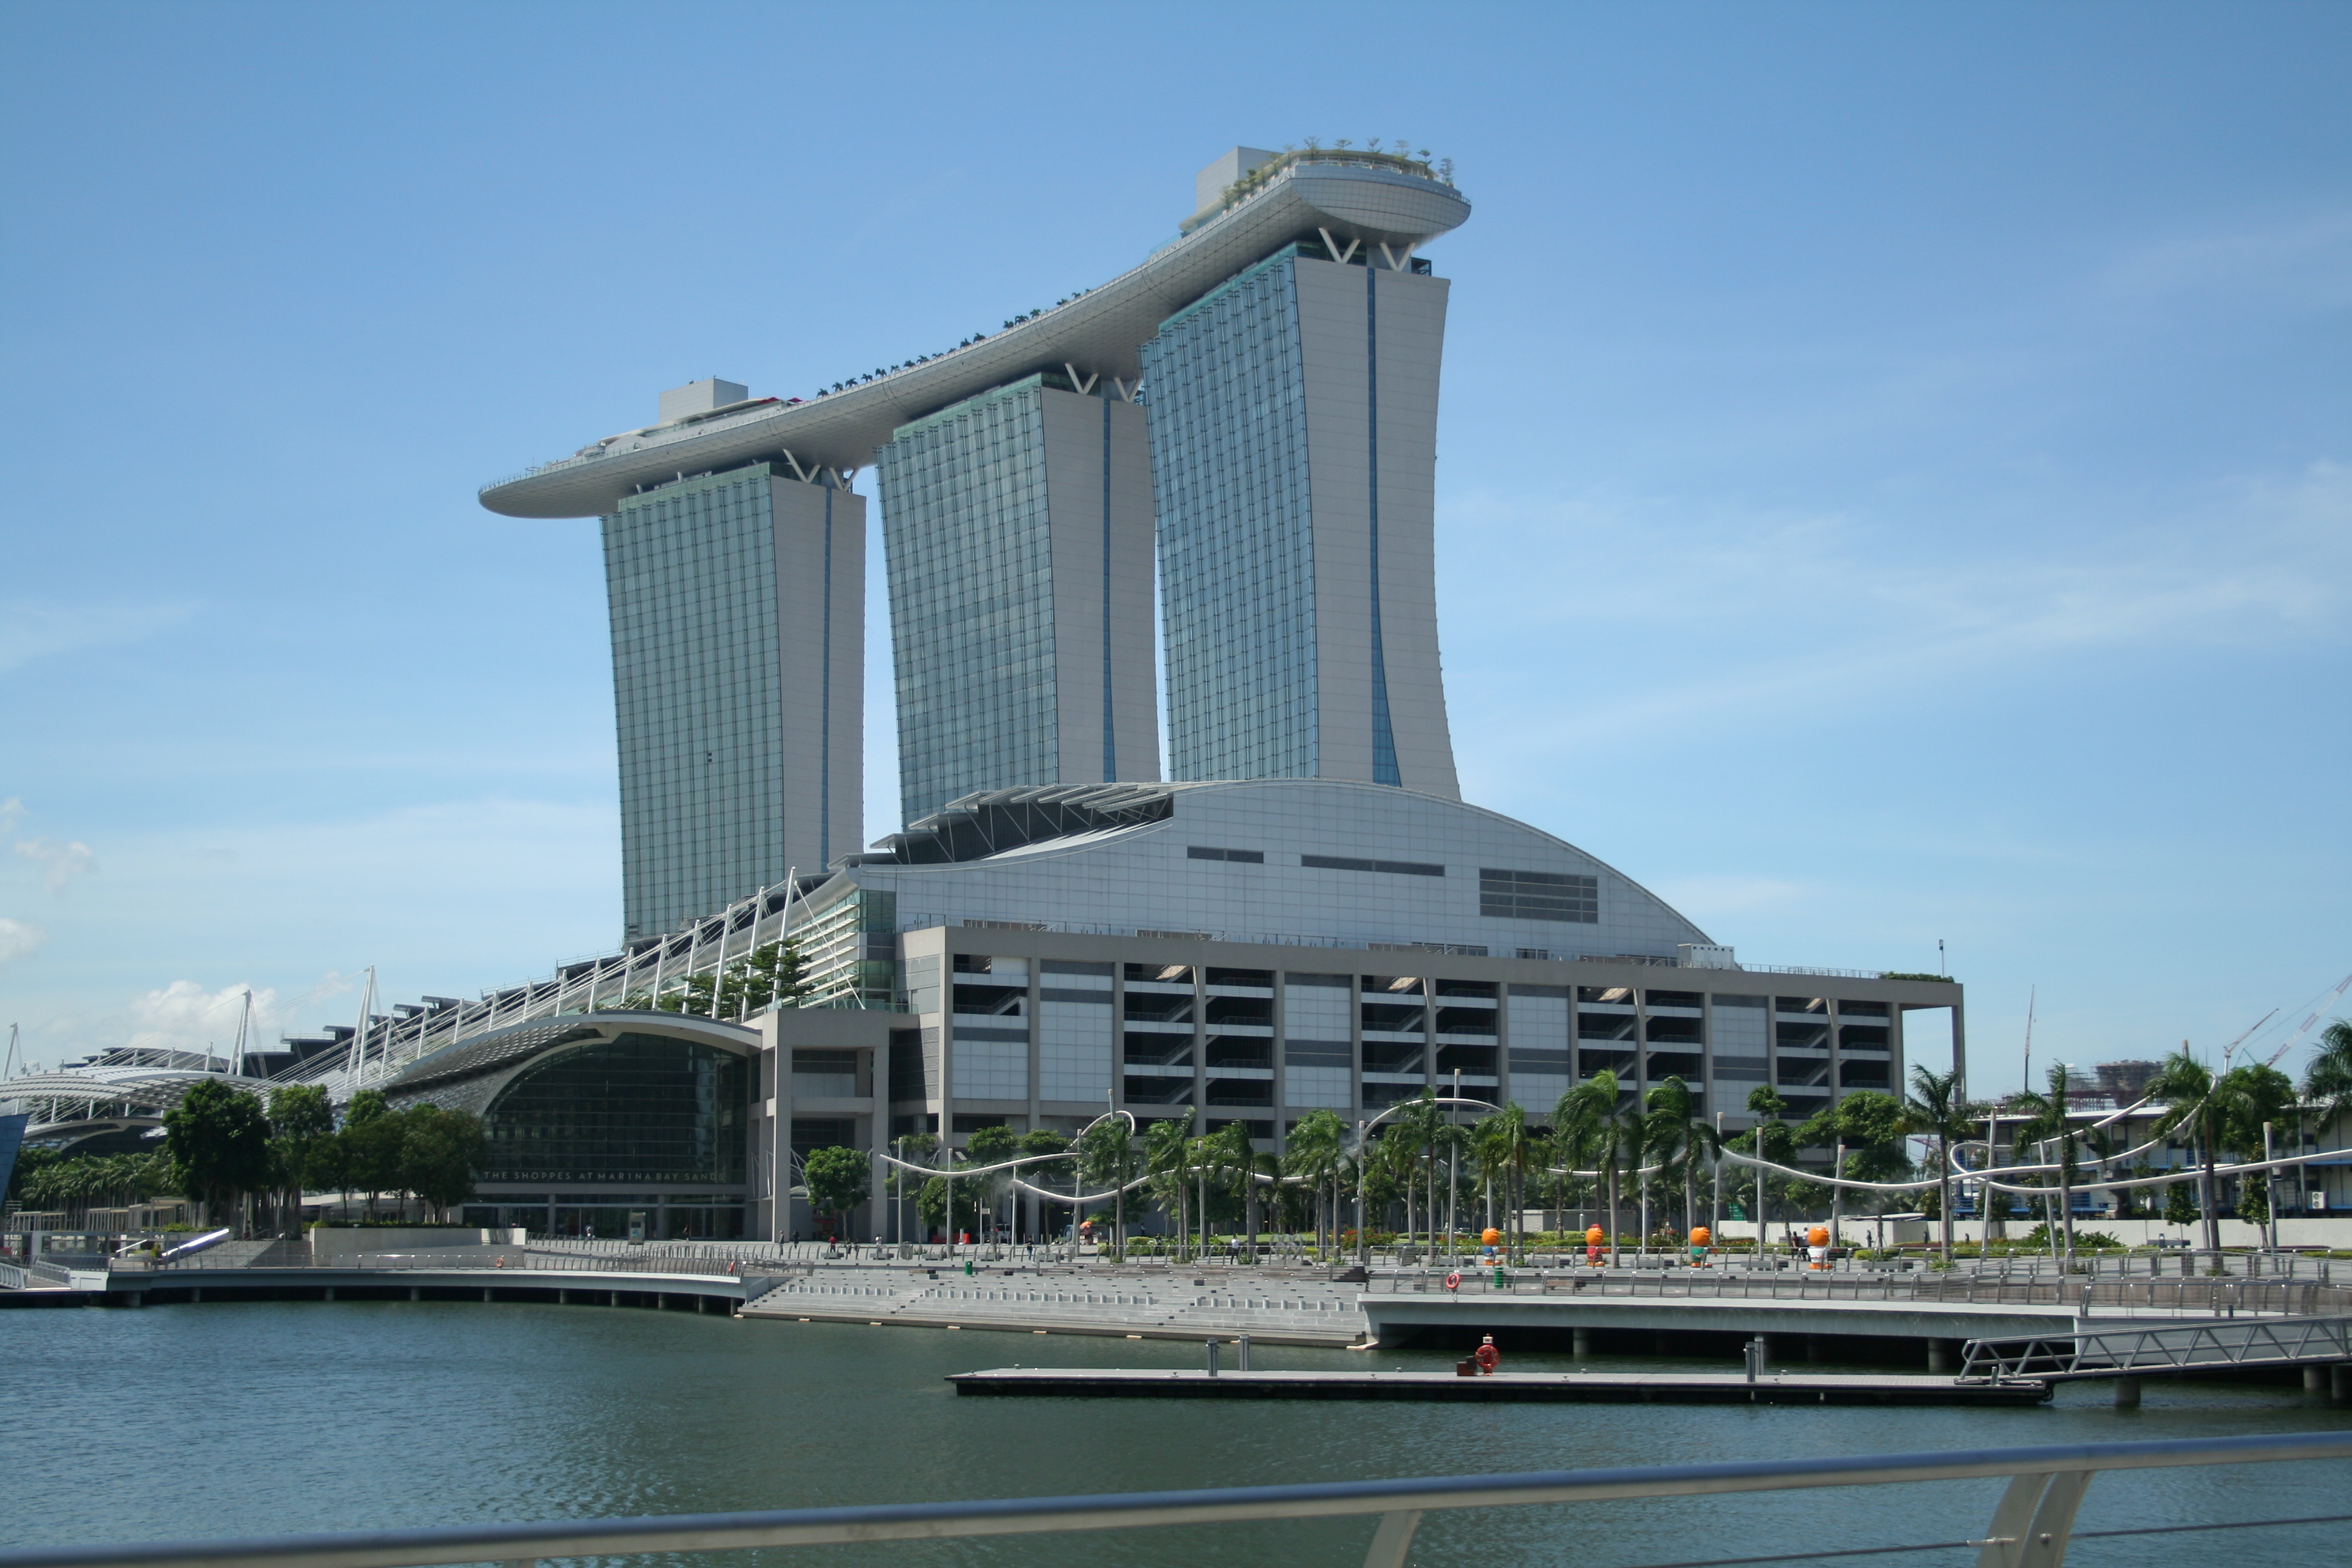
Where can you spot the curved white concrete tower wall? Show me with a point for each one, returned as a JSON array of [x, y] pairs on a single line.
[[1294, 442], [1017, 527], [737, 613]]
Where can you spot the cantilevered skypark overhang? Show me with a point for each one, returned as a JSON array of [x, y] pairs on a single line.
[[1361, 205]]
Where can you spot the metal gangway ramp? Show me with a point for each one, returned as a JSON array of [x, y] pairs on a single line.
[[2212, 1345]]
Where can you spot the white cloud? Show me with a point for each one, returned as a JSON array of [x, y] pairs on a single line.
[[12, 812], [1710, 612], [59, 863], [31, 631], [184, 1016], [2305, 259], [19, 938]]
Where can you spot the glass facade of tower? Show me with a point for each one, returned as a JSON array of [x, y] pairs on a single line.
[[1236, 540], [971, 599], [690, 569]]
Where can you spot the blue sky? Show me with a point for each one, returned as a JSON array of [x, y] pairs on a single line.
[[1896, 474]]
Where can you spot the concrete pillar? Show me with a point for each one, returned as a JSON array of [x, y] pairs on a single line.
[[196, 1294], [328, 1294], [2127, 1394], [612, 1298], [1817, 1348], [2314, 1380], [563, 1297], [486, 1292], [417, 1293], [2339, 1382], [1581, 1340], [1939, 1356]]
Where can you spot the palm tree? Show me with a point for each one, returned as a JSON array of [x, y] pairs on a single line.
[[1938, 1109], [1166, 1145], [2257, 1096], [1675, 1134], [1421, 1124], [2044, 1123], [2327, 1077], [1241, 1165], [1615, 1136], [2196, 1099], [1503, 1143], [1314, 1156], [1107, 1153]]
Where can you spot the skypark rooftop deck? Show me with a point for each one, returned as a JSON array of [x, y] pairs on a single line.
[[1376, 215]]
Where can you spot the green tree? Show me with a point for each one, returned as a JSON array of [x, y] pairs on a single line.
[[1614, 1134], [217, 1140], [2180, 1204], [2327, 1077], [1677, 1135], [1045, 1140], [931, 1204], [2259, 1096], [990, 1146], [2046, 1123], [1771, 1138], [2220, 1112], [370, 1138], [1315, 1154], [1505, 1145], [1244, 1168], [440, 1151], [1168, 1160], [899, 1183], [2186, 1086], [300, 1118], [837, 1181], [773, 973], [30, 1159], [1937, 1107], [76, 1183], [1107, 1156]]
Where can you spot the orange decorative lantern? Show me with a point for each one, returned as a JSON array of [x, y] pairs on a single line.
[[1595, 1236], [1701, 1237], [1818, 1237], [1490, 1236]]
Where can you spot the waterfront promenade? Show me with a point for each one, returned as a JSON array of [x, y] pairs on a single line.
[[1917, 1319]]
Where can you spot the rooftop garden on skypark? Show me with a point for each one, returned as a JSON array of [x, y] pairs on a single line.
[[869, 377], [1400, 160]]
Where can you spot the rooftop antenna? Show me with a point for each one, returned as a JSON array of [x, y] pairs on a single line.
[[1940, 968]]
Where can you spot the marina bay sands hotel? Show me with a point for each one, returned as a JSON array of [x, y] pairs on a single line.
[[1286, 907], [1265, 390]]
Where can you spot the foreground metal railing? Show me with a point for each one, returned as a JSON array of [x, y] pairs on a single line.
[[2178, 1347], [2031, 1526]]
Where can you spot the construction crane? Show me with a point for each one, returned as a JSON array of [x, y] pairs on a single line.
[[2304, 1027]]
